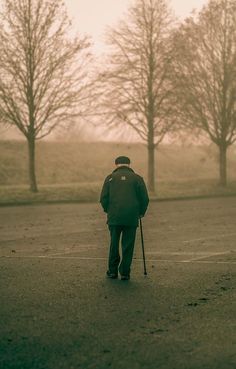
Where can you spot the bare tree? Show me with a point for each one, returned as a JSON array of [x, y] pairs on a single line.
[[138, 89], [43, 80], [206, 75]]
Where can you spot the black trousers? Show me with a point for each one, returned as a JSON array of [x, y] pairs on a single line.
[[127, 235]]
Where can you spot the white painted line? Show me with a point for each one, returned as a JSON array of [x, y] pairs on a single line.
[[210, 238], [211, 255], [191, 253], [105, 259], [60, 253], [74, 251]]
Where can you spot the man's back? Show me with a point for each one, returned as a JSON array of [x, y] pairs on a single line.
[[124, 197]]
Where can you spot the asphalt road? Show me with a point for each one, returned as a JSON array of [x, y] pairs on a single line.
[[58, 311]]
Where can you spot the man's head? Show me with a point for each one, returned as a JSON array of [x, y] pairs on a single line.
[[122, 160]]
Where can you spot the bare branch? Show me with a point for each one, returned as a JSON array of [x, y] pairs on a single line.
[[43, 74]]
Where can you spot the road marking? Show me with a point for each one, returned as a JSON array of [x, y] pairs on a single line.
[[84, 247], [211, 255], [191, 253], [105, 259], [210, 238]]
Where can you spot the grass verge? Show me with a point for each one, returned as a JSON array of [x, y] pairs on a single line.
[[89, 192], [19, 195]]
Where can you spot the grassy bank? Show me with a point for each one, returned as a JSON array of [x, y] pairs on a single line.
[[89, 192], [74, 171], [76, 162]]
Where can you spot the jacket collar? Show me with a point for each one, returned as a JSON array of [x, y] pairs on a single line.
[[123, 167]]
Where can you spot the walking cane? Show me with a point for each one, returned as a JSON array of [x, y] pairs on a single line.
[[144, 260]]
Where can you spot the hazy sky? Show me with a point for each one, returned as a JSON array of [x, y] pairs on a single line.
[[92, 16]]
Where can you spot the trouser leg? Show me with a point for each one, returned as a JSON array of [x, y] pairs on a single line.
[[127, 243], [114, 256]]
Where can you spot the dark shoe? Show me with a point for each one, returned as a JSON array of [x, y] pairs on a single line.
[[124, 277], [112, 275]]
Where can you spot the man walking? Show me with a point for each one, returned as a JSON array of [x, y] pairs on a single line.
[[125, 199]]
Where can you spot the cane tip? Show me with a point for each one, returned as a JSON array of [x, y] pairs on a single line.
[[145, 273]]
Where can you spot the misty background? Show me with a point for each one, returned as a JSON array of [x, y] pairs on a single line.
[[152, 79], [94, 23]]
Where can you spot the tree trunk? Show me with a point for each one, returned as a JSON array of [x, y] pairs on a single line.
[[151, 168], [223, 164], [32, 176]]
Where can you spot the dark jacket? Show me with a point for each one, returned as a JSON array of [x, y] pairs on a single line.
[[124, 197]]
